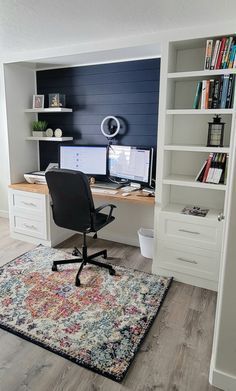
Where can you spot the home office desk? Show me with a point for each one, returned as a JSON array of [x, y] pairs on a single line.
[[31, 217]]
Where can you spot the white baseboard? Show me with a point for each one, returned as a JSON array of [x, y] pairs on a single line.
[[4, 214], [223, 380]]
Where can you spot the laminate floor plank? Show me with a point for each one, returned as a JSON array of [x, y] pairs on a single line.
[[175, 355]]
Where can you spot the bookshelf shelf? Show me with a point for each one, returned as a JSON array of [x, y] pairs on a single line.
[[31, 138], [49, 110], [188, 181], [177, 208], [198, 75], [199, 111], [195, 148]]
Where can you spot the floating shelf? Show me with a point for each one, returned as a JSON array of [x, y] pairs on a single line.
[[199, 111], [188, 181], [49, 138], [193, 75], [49, 110], [195, 148]]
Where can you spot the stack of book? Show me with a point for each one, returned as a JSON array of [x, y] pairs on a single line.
[[215, 93], [214, 169], [220, 54]]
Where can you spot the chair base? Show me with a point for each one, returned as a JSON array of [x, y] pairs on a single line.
[[84, 260]]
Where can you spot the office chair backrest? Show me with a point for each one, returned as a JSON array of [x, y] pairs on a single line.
[[72, 202]]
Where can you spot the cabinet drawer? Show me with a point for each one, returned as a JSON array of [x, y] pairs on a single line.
[[201, 235], [26, 202], [30, 226], [189, 260]]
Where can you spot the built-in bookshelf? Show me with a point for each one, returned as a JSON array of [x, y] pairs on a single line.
[[182, 151]]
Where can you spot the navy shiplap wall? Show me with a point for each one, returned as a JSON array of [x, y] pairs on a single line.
[[129, 90]]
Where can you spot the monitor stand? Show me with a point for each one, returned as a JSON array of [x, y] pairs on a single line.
[[107, 185]]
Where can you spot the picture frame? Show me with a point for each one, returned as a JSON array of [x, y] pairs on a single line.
[[38, 101]]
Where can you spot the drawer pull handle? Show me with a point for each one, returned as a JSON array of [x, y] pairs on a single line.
[[30, 226], [189, 232], [187, 260], [28, 203]]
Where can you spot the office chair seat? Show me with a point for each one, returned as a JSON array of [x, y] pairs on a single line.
[[73, 208]]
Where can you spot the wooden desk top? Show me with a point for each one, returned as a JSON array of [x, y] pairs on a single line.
[[135, 197]]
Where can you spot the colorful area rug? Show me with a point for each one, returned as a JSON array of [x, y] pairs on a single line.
[[99, 325]]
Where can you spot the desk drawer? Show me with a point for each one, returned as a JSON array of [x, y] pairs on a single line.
[[27, 202], [190, 260], [203, 235], [30, 226]]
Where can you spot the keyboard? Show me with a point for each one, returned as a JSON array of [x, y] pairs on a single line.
[[96, 190], [128, 189]]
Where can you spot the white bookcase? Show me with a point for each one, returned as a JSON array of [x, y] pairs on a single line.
[[188, 247]]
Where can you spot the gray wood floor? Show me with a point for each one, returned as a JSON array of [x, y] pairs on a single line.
[[175, 355]]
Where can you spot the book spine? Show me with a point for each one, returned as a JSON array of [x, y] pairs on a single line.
[[207, 93], [221, 52], [220, 91], [200, 174], [223, 163], [232, 56], [224, 92], [215, 54], [211, 170], [208, 54], [216, 94], [203, 99], [227, 54], [229, 92], [211, 91], [231, 104], [197, 95], [226, 169], [208, 165]]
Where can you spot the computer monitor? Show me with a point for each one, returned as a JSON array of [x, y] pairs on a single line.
[[130, 163], [90, 159]]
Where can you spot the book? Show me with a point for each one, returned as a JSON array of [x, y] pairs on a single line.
[[229, 98], [221, 52], [203, 97], [227, 52], [215, 54], [211, 170], [211, 91], [216, 92], [197, 95], [194, 211], [226, 169], [207, 93], [223, 96], [218, 168], [232, 56], [200, 174], [208, 53], [208, 165]]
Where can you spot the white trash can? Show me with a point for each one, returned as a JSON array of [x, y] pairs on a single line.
[[146, 241]]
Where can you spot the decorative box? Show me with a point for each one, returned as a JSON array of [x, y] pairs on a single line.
[[57, 100]]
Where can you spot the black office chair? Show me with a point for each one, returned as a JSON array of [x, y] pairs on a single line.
[[73, 208]]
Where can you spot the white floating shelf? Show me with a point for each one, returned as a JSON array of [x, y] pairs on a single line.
[[49, 110], [195, 148], [49, 138], [194, 75], [188, 181], [199, 111], [177, 208]]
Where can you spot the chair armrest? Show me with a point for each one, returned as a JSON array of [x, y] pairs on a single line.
[[104, 206]]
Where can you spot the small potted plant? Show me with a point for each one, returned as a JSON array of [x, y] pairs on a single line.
[[38, 128]]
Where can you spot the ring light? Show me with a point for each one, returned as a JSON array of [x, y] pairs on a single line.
[[116, 127]]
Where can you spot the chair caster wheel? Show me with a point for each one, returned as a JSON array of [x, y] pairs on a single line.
[[105, 255], [54, 268], [77, 282], [112, 272]]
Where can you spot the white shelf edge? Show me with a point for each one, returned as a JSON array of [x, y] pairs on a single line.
[[176, 208], [187, 181], [199, 111], [200, 74], [49, 110], [196, 148], [31, 138]]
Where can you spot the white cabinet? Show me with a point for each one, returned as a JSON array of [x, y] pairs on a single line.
[[188, 247]]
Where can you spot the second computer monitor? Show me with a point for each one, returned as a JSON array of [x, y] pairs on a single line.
[[131, 163], [90, 159]]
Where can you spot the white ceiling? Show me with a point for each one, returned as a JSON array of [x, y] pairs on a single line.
[[27, 25]]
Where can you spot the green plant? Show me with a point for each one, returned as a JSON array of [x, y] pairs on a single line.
[[39, 126]]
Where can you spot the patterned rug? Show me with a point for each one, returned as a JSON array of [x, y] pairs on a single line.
[[99, 325]]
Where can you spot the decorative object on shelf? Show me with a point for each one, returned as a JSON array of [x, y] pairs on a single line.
[[49, 132], [58, 132], [215, 132], [57, 100], [38, 128], [195, 211], [110, 126], [38, 101]]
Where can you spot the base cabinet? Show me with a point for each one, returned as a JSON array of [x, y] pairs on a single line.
[[31, 219]]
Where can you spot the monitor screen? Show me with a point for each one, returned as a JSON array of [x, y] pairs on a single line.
[[89, 159], [131, 163]]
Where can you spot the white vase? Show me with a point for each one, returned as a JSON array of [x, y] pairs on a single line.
[[38, 134]]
